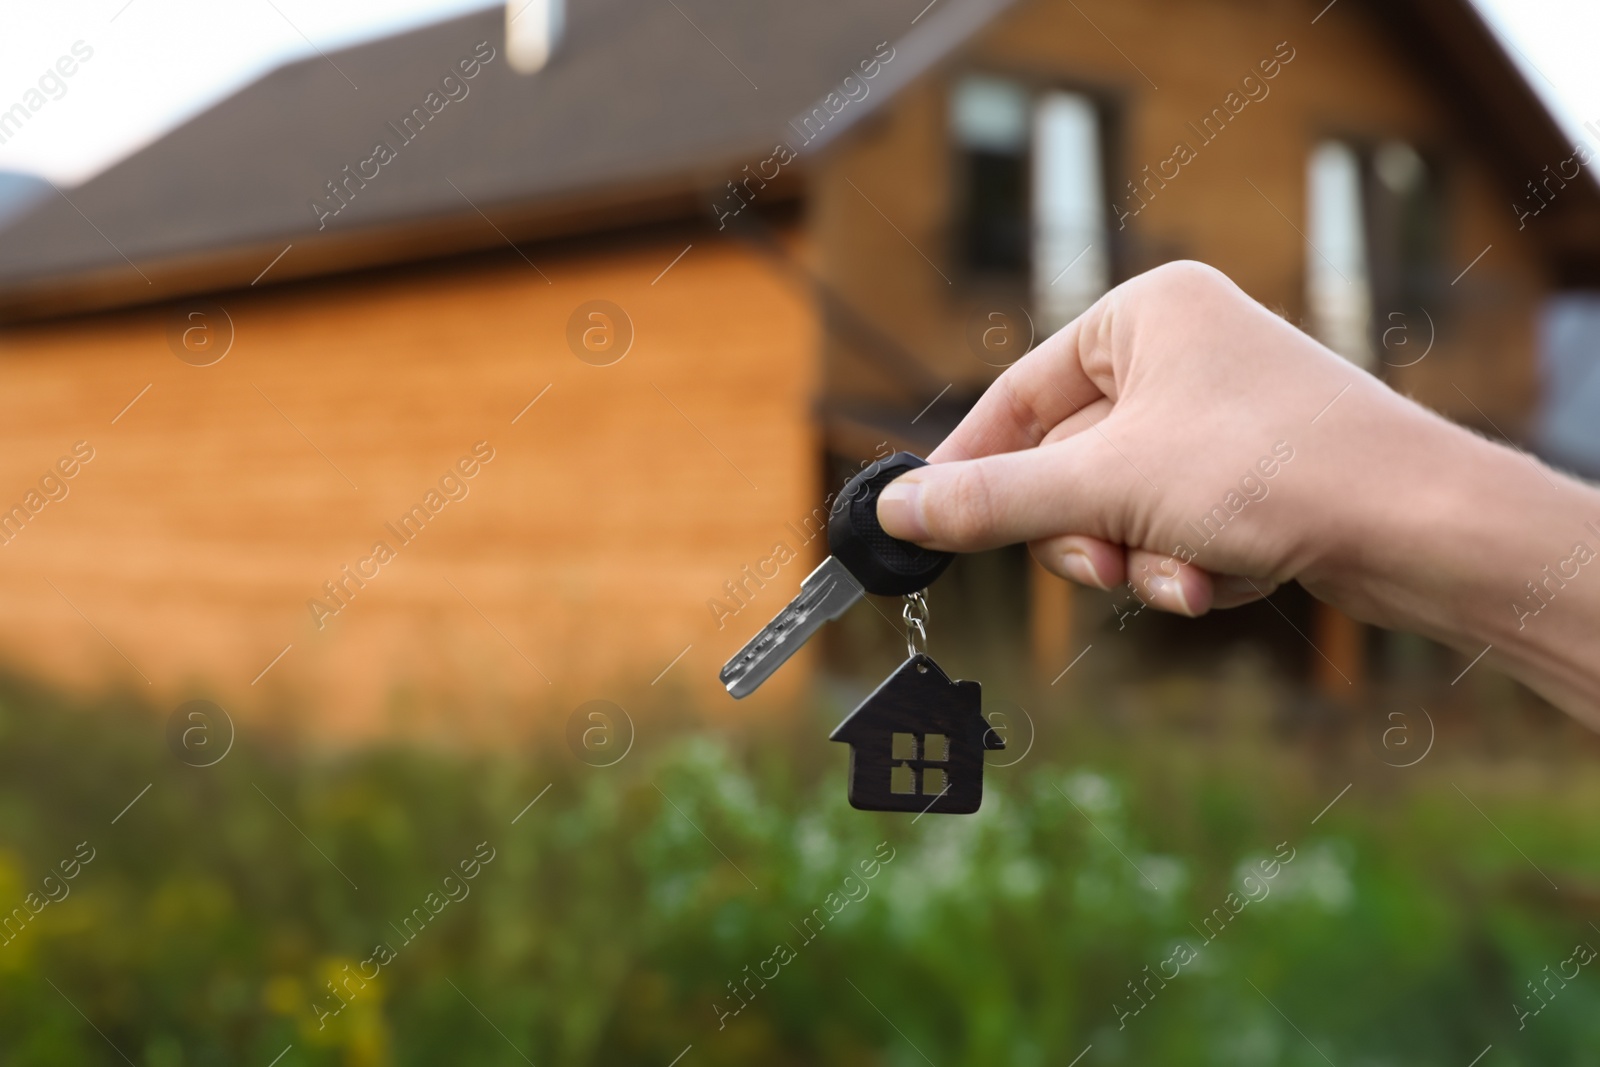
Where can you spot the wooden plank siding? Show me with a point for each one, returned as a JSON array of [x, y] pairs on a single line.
[[612, 511]]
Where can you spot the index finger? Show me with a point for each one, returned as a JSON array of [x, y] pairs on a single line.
[[1039, 391]]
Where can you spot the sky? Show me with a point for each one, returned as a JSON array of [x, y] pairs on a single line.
[[156, 63], [1553, 41]]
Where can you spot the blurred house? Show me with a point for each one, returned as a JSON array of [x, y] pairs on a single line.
[[451, 365]]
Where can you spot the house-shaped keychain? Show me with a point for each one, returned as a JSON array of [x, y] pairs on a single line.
[[917, 743]]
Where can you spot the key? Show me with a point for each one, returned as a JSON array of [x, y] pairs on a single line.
[[865, 559], [827, 593]]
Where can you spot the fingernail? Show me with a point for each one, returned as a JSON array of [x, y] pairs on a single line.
[[900, 511], [1080, 568], [1167, 593]]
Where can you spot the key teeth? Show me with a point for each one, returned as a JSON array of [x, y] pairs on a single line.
[[776, 632], [818, 601], [740, 666]]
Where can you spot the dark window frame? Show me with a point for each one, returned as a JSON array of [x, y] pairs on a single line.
[[1111, 107], [1397, 291]]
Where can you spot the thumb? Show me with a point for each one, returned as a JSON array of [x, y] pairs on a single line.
[[1066, 486]]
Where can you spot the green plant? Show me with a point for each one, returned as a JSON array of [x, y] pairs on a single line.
[[619, 911]]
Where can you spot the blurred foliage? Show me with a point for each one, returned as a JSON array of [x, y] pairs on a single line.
[[617, 909]]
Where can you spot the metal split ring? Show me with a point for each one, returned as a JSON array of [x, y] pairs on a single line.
[[916, 614]]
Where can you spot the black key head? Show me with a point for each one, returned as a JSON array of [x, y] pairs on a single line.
[[884, 565]]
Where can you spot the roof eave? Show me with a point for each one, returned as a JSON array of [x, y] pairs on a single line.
[[1462, 54], [379, 245]]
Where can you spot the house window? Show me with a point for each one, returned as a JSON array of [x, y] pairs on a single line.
[[1071, 267], [1339, 289], [991, 129], [1373, 261], [904, 749], [1405, 218], [1034, 205]]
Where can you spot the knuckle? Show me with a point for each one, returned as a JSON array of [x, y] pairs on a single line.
[[1158, 293], [1189, 277]]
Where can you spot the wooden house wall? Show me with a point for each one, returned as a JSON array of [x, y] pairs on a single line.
[[581, 562]]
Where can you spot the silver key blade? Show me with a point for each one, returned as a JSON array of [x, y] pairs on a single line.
[[826, 594]]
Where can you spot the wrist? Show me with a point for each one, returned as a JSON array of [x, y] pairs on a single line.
[[1481, 547]]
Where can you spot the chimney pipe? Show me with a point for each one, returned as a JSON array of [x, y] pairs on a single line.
[[533, 30]]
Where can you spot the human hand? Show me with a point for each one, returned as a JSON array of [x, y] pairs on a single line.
[[1181, 437]]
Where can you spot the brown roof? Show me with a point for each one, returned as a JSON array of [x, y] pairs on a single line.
[[645, 111]]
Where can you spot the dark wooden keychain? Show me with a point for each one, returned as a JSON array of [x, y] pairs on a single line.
[[917, 742]]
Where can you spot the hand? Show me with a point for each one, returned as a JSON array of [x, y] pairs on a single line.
[[1181, 437]]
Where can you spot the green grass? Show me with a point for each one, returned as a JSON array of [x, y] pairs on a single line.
[[615, 912]]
